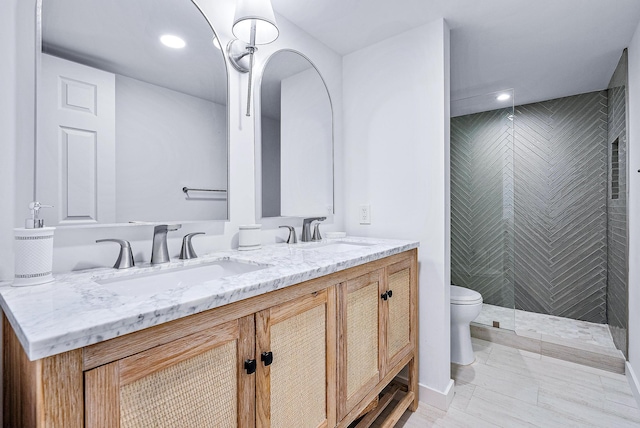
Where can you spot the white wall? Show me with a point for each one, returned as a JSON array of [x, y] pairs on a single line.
[[633, 366], [75, 248], [166, 140], [396, 145]]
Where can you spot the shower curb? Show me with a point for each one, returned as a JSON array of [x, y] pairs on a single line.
[[563, 349]]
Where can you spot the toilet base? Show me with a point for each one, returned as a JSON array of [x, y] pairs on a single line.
[[461, 346]]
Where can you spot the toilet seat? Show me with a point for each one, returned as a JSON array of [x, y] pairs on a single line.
[[464, 296]]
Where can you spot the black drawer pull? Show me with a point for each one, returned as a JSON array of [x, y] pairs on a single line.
[[250, 366], [390, 293], [384, 296], [267, 358]]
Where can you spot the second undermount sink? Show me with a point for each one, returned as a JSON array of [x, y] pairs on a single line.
[[166, 280], [338, 247]]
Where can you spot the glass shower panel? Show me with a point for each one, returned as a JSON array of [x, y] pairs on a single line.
[[482, 202]]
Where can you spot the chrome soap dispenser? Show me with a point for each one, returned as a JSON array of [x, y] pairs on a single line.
[[33, 250]]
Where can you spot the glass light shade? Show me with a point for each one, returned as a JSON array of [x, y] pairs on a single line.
[[260, 12]]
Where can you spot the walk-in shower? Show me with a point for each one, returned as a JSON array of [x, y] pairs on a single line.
[[538, 212]]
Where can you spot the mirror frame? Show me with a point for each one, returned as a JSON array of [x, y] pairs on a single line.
[[37, 80], [257, 146]]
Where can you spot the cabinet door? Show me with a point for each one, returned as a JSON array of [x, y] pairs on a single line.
[[198, 380], [399, 316], [359, 336], [295, 383]]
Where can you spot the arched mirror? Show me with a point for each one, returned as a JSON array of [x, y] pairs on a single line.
[[294, 153], [132, 113]]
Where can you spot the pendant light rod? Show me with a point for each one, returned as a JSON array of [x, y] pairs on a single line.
[[251, 48]]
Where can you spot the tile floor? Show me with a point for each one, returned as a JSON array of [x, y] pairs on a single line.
[[507, 388], [564, 328]]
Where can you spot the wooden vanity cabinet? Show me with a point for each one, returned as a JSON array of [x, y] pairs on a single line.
[[377, 324], [312, 355]]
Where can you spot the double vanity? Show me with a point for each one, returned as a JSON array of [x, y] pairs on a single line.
[[302, 335]]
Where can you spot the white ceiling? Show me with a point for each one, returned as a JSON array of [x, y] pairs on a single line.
[[543, 49], [122, 37]]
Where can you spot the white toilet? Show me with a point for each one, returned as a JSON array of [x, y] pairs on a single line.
[[466, 305]]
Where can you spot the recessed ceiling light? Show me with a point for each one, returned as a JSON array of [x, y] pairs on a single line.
[[216, 42], [174, 42], [503, 97]]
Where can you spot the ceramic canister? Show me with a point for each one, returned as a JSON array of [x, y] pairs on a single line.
[[249, 237]]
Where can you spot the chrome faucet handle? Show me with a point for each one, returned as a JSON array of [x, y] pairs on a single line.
[[293, 238], [187, 252], [316, 233], [125, 258], [306, 227]]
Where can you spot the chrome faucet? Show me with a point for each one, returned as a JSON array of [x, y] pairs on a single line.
[[159, 251], [306, 227]]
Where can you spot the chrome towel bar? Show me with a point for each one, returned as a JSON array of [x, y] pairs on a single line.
[[189, 189]]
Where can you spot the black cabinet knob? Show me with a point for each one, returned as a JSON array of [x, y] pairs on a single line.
[[250, 366], [266, 358], [384, 296], [390, 293]]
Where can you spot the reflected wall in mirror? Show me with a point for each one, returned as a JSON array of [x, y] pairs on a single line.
[[124, 121], [294, 154]]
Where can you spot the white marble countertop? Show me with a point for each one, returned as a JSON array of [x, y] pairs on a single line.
[[75, 311]]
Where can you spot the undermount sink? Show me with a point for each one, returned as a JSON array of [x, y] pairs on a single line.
[[338, 247], [178, 278]]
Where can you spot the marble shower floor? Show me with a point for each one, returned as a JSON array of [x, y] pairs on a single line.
[[564, 328]]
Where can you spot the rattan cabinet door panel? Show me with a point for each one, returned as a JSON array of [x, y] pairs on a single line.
[[358, 348], [197, 380], [399, 310], [400, 313], [295, 375]]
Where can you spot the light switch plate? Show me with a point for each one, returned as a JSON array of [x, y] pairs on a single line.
[[364, 214]]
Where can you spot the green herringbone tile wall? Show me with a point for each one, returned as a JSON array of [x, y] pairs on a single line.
[[542, 199]]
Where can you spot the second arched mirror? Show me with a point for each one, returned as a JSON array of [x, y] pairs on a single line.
[[294, 148]]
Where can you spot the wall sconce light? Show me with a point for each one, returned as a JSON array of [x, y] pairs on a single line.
[[254, 24]]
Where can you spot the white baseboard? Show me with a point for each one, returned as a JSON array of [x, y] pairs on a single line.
[[633, 382], [438, 399]]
